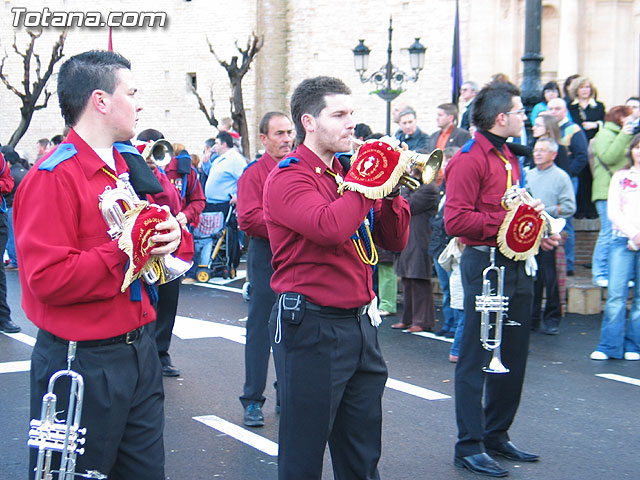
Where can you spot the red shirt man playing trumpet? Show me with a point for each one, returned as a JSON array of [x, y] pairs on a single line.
[[329, 367]]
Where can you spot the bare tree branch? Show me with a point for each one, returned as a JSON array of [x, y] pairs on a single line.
[[208, 113], [32, 89], [235, 73]]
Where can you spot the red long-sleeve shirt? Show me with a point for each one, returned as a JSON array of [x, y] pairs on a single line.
[[250, 189], [70, 270], [476, 180], [193, 202], [310, 227]]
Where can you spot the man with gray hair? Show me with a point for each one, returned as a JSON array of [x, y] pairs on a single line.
[[468, 92], [409, 132], [552, 185]]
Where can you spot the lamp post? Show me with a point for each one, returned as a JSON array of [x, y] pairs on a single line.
[[532, 58], [389, 79]]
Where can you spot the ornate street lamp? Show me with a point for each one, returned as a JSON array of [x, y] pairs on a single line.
[[389, 79]]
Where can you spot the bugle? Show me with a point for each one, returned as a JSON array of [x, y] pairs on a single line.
[[113, 203], [51, 435], [429, 164], [161, 151], [488, 303]]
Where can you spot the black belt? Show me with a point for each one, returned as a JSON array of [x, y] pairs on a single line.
[[128, 338], [340, 312], [482, 248]]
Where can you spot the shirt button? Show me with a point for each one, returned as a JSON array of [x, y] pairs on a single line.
[[144, 314]]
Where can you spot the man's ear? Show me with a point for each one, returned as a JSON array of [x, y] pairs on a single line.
[[100, 100], [308, 122]]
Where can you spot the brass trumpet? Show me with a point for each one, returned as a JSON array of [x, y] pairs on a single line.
[[429, 164], [113, 203], [489, 303], [50, 435]]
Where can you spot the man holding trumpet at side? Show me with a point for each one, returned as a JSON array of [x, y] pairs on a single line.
[[478, 211], [82, 287], [331, 374]]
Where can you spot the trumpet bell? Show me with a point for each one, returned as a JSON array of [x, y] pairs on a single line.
[[495, 365], [160, 151], [556, 225], [431, 165]]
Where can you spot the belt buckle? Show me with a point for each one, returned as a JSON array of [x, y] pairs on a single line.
[[362, 310], [132, 336]]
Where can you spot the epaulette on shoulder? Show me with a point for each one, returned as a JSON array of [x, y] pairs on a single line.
[[287, 161], [126, 148], [252, 163], [467, 146], [64, 152]]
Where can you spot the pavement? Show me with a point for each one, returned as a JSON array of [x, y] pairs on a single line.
[[580, 416]]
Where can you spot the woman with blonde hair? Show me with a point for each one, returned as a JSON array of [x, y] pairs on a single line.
[[588, 113]]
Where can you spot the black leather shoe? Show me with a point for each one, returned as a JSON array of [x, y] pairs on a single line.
[[253, 416], [510, 451], [9, 327], [170, 371], [482, 464]]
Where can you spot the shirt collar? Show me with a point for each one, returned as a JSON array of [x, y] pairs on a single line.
[[315, 162], [90, 162]]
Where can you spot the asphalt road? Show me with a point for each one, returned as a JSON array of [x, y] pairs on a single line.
[[583, 425]]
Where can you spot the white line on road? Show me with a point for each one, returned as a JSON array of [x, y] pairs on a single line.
[[620, 378], [12, 367], [243, 435], [189, 328], [433, 336], [415, 390], [219, 287], [22, 337]]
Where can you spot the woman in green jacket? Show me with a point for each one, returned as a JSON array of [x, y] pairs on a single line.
[[608, 147]]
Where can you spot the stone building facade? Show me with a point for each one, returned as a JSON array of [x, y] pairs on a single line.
[[305, 38]]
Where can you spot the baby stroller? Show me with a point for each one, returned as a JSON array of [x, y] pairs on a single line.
[[217, 247]]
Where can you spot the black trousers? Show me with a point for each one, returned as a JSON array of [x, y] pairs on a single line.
[[331, 376], [166, 309], [488, 425], [262, 298], [5, 312], [123, 408], [546, 279]]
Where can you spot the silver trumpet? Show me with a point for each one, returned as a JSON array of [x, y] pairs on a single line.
[[113, 203], [489, 303], [161, 151], [50, 435]]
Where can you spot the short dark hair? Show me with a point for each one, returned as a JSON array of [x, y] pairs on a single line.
[[226, 138], [43, 141], [209, 142], [635, 99], [450, 109], [264, 123], [494, 99], [308, 97], [81, 75], [150, 135], [57, 139], [361, 131]]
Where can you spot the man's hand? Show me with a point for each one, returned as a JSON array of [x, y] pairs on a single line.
[[589, 125], [168, 236], [537, 205], [182, 219], [549, 243]]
